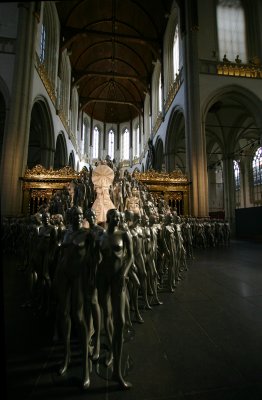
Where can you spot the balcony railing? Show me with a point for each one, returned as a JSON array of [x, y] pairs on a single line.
[[228, 68]]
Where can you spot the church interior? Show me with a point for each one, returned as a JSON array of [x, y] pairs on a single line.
[[131, 201]]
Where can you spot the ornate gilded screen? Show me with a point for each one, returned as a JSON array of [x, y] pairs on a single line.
[[39, 185], [173, 187]]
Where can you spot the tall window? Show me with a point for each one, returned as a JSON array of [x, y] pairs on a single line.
[[136, 142], [160, 93], [111, 143], [42, 44], [74, 111], [231, 30], [237, 181], [236, 174], [176, 53], [257, 176], [95, 142], [49, 37], [85, 136], [65, 75], [125, 145]]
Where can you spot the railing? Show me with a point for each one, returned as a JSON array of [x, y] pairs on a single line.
[[227, 68], [41, 69]]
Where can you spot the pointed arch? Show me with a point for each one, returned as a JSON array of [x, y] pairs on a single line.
[[232, 124], [61, 156], [71, 160], [159, 146], [175, 144], [41, 145]]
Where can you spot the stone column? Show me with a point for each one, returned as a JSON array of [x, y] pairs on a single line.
[[15, 147], [195, 131], [229, 191]]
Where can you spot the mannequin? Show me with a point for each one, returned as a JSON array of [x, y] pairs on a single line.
[[139, 255], [46, 246], [150, 260], [92, 308], [133, 282], [170, 250], [68, 288], [118, 196], [181, 264], [133, 202], [117, 257]]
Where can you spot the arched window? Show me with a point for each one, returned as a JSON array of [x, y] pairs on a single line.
[[65, 75], [74, 111], [156, 93], [111, 143], [125, 145], [231, 30], [95, 142], [85, 137], [176, 53], [49, 41], [160, 93], [257, 176], [147, 119], [136, 142], [236, 174], [71, 160], [42, 44], [172, 57], [237, 181]]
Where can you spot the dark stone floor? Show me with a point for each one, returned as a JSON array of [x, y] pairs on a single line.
[[203, 343]]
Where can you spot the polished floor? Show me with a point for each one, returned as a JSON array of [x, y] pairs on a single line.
[[203, 343]]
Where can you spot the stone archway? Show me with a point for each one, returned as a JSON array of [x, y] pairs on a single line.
[[41, 137], [159, 155], [175, 145], [71, 161], [232, 131], [61, 156]]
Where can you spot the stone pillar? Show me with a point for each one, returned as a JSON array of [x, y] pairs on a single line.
[[195, 132], [229, 191], [15, 147]]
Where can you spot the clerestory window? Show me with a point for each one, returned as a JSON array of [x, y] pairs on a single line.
[[231, 30]]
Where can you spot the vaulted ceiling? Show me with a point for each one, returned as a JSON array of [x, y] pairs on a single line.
[[113, 45]]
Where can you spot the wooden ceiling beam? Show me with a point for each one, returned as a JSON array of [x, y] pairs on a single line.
[[80, 75], [69, 35], [84, 101]]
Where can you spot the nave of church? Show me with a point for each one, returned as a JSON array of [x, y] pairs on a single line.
[[166, 91], [204, 342]]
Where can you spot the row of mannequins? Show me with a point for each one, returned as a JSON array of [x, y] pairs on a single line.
[[98, 263]]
